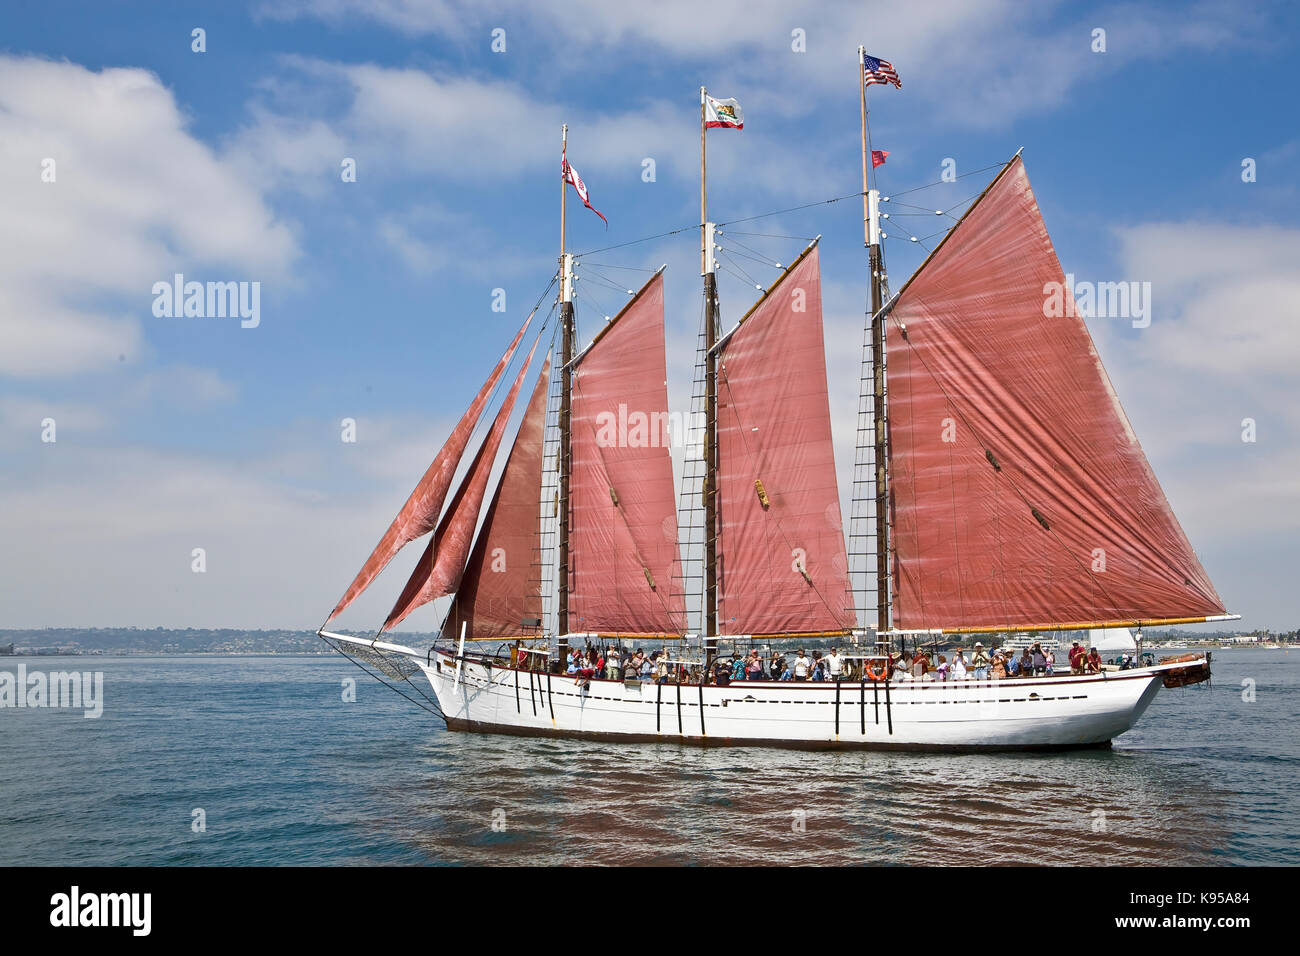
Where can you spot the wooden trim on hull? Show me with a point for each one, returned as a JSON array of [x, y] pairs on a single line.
[[480, 727]]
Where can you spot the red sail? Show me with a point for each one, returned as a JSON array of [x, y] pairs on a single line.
[[623, 519], [502, 584], [781, 540], [1020, 495], [439, 570], [420, 512]]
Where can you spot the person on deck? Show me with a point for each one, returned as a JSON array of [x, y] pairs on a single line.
[[1026, 661], [819, 668], [980, 662], [738, 668], [920, 664], [958, 668], [1050, 656], [941, 671], [999, 668], [1078, 658], [1039, 660], [1094, 661], [777, 667], [647, 667], [662, 668], [1013, 664], [834, 664], [754, 666], [721, 674], [900, 668], [801, 666]]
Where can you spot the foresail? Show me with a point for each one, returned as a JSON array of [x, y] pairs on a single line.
[[439, 570], [420, 512], [501, 589], [623, 519], [1020, 495], [781, 539]]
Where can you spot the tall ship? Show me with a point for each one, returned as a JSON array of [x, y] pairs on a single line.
[[1003, 495]]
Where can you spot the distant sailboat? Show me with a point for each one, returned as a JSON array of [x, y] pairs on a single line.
[[1114, 641], [1010, 496]]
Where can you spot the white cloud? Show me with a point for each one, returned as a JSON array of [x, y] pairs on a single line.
[[1222, 347], [105, 536], [135, 198], [746, 45], [1228, 296]]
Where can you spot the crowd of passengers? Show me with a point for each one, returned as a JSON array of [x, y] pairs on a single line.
[[619, 663]]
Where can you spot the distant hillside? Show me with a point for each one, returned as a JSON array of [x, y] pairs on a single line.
[[159, 640]]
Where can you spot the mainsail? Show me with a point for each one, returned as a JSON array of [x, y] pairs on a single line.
[[502, 584], [623, 553], [420, 512], [1019, 492], [441, 566], [781, 541]]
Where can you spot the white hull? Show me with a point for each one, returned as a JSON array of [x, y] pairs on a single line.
[[908, 714], [1045, 712]]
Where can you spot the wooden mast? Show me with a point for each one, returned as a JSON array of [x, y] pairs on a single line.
[[566, 382], [709, 271], [871, 226]]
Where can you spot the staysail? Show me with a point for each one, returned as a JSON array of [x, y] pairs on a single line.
[[420, 512], [623, 520], [781, 540], [439, 570], [501, 588], [1020, 495]]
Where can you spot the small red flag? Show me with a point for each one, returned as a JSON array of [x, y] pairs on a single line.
[[878, 157]]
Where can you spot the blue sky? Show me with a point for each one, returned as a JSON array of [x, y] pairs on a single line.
[[376, 295]]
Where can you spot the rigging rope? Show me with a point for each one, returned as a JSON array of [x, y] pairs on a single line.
[[436, 710]]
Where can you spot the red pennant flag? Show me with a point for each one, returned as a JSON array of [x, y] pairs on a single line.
[[878, 157], [571, 176]]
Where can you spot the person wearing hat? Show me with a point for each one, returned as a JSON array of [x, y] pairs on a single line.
[[979, 662], [1077, 657]]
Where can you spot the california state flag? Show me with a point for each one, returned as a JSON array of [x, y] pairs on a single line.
[[724, 113]]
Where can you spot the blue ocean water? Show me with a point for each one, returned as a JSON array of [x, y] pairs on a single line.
[[287, 772]]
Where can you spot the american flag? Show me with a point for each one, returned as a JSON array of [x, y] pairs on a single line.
[[879, 71]]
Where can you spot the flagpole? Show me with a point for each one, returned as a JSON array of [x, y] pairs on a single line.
[[862, 85], [564, 185], [709, 600], [703, 207]]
